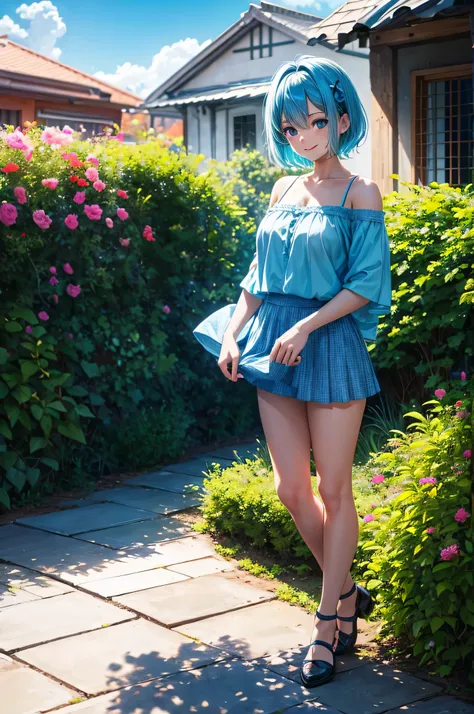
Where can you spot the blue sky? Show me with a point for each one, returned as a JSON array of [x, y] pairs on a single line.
[[135, 45]]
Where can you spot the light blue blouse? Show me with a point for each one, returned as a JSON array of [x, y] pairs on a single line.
[[316, 251]]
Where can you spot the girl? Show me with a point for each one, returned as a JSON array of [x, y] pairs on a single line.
[[310, 301]]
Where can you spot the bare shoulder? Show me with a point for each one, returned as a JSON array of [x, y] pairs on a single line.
[[365, 193], [279, 188]]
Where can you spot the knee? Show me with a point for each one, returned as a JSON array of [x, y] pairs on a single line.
[[335, 494], [292, 498]]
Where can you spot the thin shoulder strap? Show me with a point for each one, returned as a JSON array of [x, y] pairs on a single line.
[[286, 190], [347, 189]]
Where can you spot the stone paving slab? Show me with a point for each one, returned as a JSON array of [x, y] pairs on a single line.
[[244, 451], [132, 535], [204, 566], [148, 499], [39, 585], [25, 691], [10, 595], [265, 629], [194, 598], [232, 686], [197, 467], [124, 584], [88, 518], [444, 704], [311, 708], [168, 481], [44, 620], [288, 662], [119, 656], [373, 687]]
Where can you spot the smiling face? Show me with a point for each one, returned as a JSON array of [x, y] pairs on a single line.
[[312, 142]]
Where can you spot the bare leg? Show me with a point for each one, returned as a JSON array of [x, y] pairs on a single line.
[[334, 431]]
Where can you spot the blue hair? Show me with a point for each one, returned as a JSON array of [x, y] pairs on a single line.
[[329, 88]]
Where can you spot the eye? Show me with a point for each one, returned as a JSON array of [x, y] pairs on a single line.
[[289, 128], [323, 123]]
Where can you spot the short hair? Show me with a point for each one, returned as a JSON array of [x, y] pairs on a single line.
[[315, 78]]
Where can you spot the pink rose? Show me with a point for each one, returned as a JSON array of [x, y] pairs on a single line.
[[67, 269], [53, 280], [71, 221], [73, 290], [440, 393], [122, 214], [467, 454], [463, 376], [20, 194], [55, 298], [98, 185], [67, 129], [8, 214], [450, 552], [166, 309], [28, 329], [125, 242], [92, 174], [79, 197], [148, 233], [122, 194], [93, 212], [461, 515], [430, 529], [368, 518], [52, 270], [50, 182], [378, 478], [43, 315], [109, 223], [41, 219], [93, 159]]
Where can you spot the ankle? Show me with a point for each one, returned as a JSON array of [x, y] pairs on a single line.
[[348, 583]]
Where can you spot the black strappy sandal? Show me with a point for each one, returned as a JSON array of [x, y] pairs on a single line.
[[314, 672], [363, 607]]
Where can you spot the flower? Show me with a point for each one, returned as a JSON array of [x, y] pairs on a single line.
[[450, 552], [431, 529], [28, 329], [74, 178], [92, 174], [93, 212], [82, 182], [431, 643], [368, 518], [10, 168], [55, 298], [459, 403], [53, 280], [378, 478], [20, 194], [43, 315], [166, 309], [467, 454], [16, 140], [8, 214], [148, 233], [50, 182], [99, 185], [427, 479], [67, 269], [71, 221], [122, 194], [56, 138], [73, 290], [122, 214], [440, 393], [462, 414], [463, 376], [93, 159], [67, 129], [41, 219], [52, 270], [461, 515], [125, 242], [372, 505], [79, 197], [109, 223]]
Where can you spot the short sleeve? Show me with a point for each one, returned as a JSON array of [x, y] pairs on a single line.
[[368, 272], [250, 282]]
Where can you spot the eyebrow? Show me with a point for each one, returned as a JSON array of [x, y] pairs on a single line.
[[309, 115]]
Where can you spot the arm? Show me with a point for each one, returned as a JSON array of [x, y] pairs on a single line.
[[364, 194]]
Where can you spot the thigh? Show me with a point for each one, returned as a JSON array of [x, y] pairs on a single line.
[[334, 430], [285, 425]]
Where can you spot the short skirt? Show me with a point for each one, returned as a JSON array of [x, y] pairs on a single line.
[[335, 364]]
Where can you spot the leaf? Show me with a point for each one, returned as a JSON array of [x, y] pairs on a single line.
[[50, 462], [25, 313], [77, 391], [90, 368], [72, 431], [46, 424], [436, 623], [24, 419], [13, 326], [3, 355], [37, 442], [59, 406], [37, 411], [32, 476], [8, 459], [4, 498], [13, 412], [16, 477], [84, 411], [22, 393], [5, 430]]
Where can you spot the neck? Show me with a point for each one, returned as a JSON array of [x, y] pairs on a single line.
[[328, 167]]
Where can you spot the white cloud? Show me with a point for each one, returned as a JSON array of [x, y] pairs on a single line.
[[45, 28], [143, 80], [11, 28]]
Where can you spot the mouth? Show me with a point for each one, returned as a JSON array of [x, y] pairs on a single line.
[[313, 147]]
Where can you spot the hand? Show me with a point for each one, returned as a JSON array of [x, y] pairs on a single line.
[[229, 353], [287, 347]]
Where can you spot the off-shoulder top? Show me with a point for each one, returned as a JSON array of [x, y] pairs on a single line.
[[316, 251]]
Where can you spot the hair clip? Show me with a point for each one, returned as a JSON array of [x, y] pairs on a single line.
[[338, 92]]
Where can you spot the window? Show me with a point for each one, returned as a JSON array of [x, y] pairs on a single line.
[[10, 116], [443, 126], [245, 131]]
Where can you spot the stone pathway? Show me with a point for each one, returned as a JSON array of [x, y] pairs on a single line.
[[117, 607]]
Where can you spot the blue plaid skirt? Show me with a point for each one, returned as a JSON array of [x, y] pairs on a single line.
[[335, 364]]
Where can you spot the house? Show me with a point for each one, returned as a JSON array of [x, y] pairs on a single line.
[[219, 93], [35, 87], [421, 72]]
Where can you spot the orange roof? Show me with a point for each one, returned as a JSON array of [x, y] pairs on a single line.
[[22, 60]]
